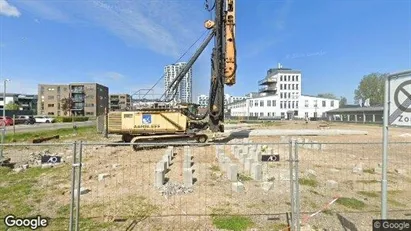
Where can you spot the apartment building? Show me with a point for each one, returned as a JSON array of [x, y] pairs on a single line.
[[185, 88], [120, 102], [89, 99], [25, 103]]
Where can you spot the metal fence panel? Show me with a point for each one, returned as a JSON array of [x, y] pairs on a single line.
[[341, 183], [36, 180], [197, 187]]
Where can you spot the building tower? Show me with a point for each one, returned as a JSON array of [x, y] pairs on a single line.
[[184, 90]]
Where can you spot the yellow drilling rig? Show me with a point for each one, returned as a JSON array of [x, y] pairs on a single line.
[[156, 124]]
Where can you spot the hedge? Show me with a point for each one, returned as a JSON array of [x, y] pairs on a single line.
[[67, 119]]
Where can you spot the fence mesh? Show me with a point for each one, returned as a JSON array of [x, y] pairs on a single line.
[[190, 186]]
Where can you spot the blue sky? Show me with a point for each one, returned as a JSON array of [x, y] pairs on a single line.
[[125, 44]]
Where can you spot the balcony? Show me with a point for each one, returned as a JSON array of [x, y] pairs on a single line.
[[77, 90], [78, 99], [268, 89], [269, 80]]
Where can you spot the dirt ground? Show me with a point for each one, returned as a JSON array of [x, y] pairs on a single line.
[[347, 167]]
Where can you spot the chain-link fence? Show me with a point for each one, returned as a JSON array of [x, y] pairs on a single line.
[[190, 186]]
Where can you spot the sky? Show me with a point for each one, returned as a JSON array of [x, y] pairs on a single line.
[[126, 44]]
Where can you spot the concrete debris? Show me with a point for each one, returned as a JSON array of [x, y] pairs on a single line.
[[170, 189], [18, 170], [102, 176], [332, 184], [82, 191], [358, 169], [311, 172]]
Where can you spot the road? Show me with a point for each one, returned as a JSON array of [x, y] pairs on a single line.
[[46, 126]]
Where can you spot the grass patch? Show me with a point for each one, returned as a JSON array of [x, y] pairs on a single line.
[[27, 136], [242, 177], [234, 222], [308, 182], [20, 194], [278, 226], [351, 203], [368, 194], [368, 181], [369, 170]]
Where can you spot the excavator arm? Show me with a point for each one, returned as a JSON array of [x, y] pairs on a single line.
[[223, 62]]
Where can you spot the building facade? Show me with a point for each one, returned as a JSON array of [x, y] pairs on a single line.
[[120, 102], [24, 102], [280, 96], [89, 99], [202, 100], [185, 88]]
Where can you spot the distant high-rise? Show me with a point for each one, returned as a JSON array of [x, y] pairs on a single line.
[[184, 90]]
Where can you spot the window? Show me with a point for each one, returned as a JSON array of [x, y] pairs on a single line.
[[256, 103], [268, 114], [289, 95], [296, 104], [261, 113], [324, 103], [268, 103], [261, 103], [50, 113], [296, 78], [281, 78], [315, 103], [42, 105], [281, 104], [332, 103], [293, 86], [293, 78], [289, 104], [292, 105], [306, 114], [89, 104], [281, 95], [281, 86], [58, 106], [251, 114], [251, 103], [296, 87], [50, 97], [274, 103], [50, 105], [289, 78]]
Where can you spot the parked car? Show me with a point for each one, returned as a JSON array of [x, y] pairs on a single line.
[[8, 121], [44, 119], [24, 119]]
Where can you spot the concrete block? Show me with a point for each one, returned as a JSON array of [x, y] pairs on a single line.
[[237, 186], [247, 165], [159, 178], [82, 191], [332, 184], [162, 165], [187, 163], [256, 171], [188, 177], [267, 186], [166, 159], [232, 172]]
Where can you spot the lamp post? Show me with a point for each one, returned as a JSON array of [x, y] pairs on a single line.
[[3, 132]]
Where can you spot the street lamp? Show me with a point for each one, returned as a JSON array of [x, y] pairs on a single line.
[[3, 132], [4, 102]]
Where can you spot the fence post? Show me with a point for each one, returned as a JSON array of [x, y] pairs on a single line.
[[80, 162], [297, 185], [294, 186], [73, 181], [291, 185]]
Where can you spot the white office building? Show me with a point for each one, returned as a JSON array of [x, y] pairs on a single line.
[[280, 96], [184, 90], [202, 100]]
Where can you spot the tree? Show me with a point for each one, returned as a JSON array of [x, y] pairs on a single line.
[[343, 101], [371, 87], [12, 106], [66, 105], [327, 95]]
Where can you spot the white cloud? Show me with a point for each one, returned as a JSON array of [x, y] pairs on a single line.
[[8, 10], [165, 27]]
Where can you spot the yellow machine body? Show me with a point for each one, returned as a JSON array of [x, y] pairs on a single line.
[[147, 122]]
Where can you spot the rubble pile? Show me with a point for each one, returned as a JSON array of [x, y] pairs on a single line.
[[171, 188], [35, 160]]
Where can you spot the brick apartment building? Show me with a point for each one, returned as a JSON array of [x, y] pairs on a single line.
[[120, 102], [89, 99]]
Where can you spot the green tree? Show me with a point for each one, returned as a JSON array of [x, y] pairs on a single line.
[[343, 101], [372, 87], [66, 105], [12, 106], [327, 95]]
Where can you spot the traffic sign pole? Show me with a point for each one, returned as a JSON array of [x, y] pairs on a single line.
[[385, 151]]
